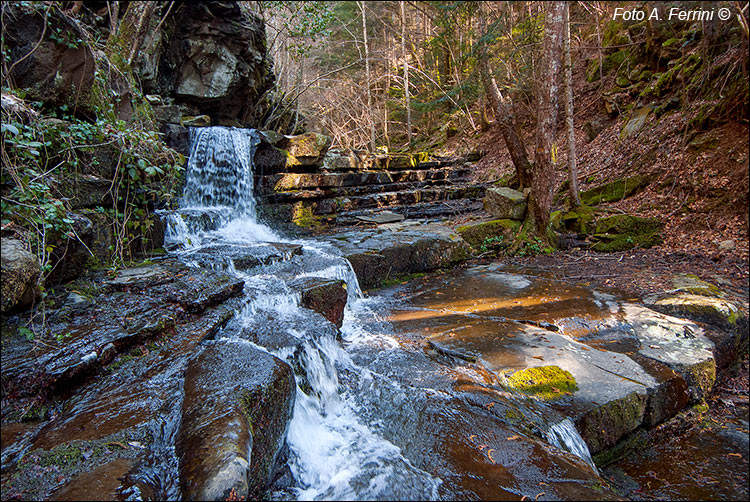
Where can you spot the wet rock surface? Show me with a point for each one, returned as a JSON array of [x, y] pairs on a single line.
[[632, 366], [325, 296], [237, 406], [397, 249], [113, 433], [112, 315]]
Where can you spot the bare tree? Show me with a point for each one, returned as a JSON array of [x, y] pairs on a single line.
[[572, 167], [367, 75], [504, 116], [406, 71], [540, 199]]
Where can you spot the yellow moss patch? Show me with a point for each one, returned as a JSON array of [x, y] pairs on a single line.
[[545, 382]]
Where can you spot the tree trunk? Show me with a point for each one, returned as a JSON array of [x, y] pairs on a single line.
[[540, 199], [406, 71], [572, 167], [504, 116], [367, 77]]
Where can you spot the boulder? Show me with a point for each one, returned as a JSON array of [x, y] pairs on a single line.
[[211, 57], [625, 231], [593, 128], [636, 122], [614, 191], [325, 296], [495, 233], [86, 190], [377, 254], [177, 137], [309, 148], [731, 336], [48, 56], [235, 415], [20, 274], [71, 252], [505, 203]]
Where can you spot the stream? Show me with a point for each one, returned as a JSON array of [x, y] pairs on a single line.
[[377, 416]]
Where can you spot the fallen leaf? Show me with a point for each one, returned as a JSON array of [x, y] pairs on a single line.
[[538, 495], [539, 357], [488, 406], [735, 455], [513, 438], [489, 455]]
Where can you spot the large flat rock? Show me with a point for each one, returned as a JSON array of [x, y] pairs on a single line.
[[398, 249], [116, 313], [632, 366]]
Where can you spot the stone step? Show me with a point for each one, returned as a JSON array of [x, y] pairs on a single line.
[[344, 192], [352, 160], [414, 211], [399, 198], [298, 181]]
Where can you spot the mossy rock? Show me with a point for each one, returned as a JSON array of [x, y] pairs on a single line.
[[579, 220], [611, 243], [545, 382], [614, 191], [303, 216], [615, 33], [604, 426], [501, 233], [623, 231], [628, 224]]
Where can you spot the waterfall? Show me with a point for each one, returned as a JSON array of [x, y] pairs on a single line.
[[565, 436], [333, 453], [218, 192]]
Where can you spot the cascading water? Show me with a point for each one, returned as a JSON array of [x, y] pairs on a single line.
[[334, 454], [565, 436]]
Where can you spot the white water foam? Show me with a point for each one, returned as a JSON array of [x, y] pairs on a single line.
[[565, 436], [333, 454]]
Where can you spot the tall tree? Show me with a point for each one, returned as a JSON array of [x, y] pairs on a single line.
[[540, 199], [572, 167], [406, 70], [368, 82], [503, 109]]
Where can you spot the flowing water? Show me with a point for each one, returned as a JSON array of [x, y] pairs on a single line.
[[374, 418]]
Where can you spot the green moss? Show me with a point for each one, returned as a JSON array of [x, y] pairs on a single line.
[[302, 216], [545, 382], [614, 34], [627, 224], [579, 220], [399, 279], [477, 235], [614, 190], [62, 456], [637, 441], [700, 379], [623, 231], [670, 42], [611, 243], [120, 361]]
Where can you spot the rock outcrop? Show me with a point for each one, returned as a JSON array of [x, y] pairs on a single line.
[[48, 57], [20, 273], [210, 58], [237, 406]]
